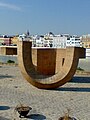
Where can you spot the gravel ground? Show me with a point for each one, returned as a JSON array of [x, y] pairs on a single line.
[[72, 98]]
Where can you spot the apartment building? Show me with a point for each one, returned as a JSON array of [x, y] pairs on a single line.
[[55, 41], [59, 41], [49, 40], [86, 44], [85, 41], [74, 41]]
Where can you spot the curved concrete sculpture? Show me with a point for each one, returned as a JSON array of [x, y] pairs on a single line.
[[48, 68]]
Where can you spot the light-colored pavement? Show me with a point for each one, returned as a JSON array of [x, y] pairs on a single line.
[[84, 64], [46, 104]]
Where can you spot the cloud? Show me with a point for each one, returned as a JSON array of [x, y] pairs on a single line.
[[10, 6]]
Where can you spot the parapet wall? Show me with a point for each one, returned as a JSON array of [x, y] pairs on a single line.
[[50, 61], [8, 50], [47, 61]]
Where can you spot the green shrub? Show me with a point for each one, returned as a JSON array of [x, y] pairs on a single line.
[[10, 61], [79, 68]]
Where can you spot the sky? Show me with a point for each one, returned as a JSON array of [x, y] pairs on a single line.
[[43, 16]]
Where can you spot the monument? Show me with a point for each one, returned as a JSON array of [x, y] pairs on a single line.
[[48, 68]]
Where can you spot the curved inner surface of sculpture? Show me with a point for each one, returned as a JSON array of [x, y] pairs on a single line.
[[48, 68]]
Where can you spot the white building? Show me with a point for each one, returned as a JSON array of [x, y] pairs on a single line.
[[22, 36], [56, 41], [73, 41], [59, 42], [88, 53], [37, 41]]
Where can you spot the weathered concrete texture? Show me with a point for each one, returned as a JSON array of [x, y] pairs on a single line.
[[52, 68], [46, 104]]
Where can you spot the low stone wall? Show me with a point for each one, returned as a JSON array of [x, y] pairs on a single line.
[[4, 58], [83, 63]]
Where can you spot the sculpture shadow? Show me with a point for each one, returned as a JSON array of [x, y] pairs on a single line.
[[36, 117], [4, 107], [5, 76], [80, 80], [76, 89]]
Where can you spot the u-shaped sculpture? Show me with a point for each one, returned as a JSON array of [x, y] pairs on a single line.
[[48, 68]]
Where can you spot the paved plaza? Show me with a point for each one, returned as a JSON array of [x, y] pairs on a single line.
[[72, 98]]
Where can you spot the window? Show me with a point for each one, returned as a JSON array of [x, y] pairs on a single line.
[[68, 38]]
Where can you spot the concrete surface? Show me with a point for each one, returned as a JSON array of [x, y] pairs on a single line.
[[74, 97]]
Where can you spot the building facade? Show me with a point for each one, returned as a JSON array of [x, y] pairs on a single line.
[[85, 41], [74, 41], [59, 41]]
